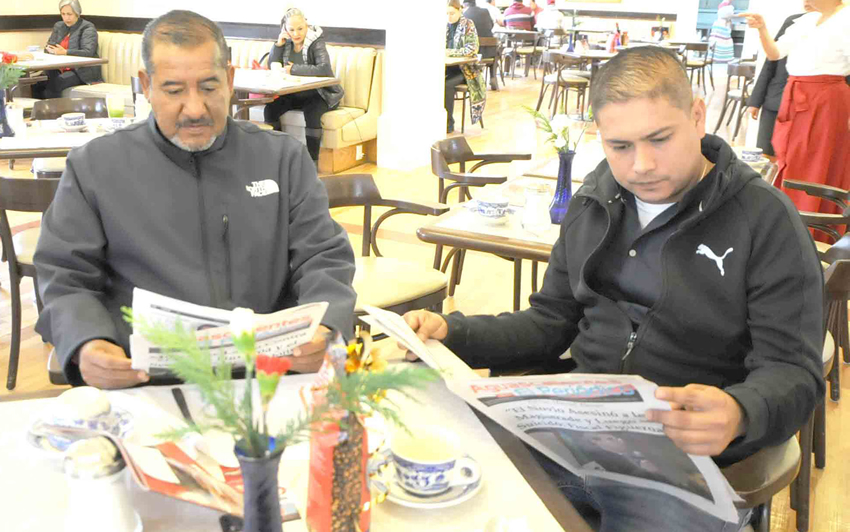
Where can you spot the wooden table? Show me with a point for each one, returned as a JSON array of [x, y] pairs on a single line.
[[43, 61], [46, 139], [272, 83], [457, 61], [514, 485]]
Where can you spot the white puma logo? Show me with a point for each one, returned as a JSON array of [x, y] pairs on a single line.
[[702, 249]]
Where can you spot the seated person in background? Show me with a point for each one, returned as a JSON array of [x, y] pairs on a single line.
[[675, 262], [190, 204], [462, 41], [71, 36], [519, 17], [495, 12], [550, 18], [301, 50], [484, 28]]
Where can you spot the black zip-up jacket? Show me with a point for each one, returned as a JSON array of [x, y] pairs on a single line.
[[756, 331], [83, 42], [317, 63]]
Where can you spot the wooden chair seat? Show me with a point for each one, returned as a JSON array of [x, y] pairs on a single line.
[[696, 64], [528, 50], [48, 167], [566, 79], [25, 242], [462, 88], [764, 474], [387, 283]]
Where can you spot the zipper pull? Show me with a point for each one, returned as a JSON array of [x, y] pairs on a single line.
[[630, 345], [225, 221]]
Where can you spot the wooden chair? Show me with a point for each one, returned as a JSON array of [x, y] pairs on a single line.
[[457, 151], [53, 108], [758, 478], [496, 45], [523, 47], [697, 65], [743, 75], [382, 282], [563, 73], [25, 195]]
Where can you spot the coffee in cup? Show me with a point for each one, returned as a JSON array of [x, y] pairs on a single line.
[[430, 461]]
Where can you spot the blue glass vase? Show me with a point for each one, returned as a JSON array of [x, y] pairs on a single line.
[[563, 190], [5, 130]]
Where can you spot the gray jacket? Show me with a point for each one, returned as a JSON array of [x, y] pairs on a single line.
[[133, 210], [83, 42], [317, 63]]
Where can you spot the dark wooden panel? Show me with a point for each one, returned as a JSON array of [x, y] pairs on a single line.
[[358, 36], [621, 14]]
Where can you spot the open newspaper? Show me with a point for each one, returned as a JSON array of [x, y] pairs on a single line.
[[277, 334], [592, 425]]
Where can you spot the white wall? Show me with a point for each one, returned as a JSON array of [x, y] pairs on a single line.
[[340, 13]]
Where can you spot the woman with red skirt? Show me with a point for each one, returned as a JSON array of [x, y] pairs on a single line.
[[812, 133]]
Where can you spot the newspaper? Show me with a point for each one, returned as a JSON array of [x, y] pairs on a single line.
[[592, 425], [595, 425], [277, 334]]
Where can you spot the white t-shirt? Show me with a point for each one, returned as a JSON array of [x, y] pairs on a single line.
[[649, 211], [495, 13], [814, 50]]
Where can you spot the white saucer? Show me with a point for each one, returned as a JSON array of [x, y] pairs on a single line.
[[397, 494], [117, 422], [502, 220], [71, 129], [760, 162]]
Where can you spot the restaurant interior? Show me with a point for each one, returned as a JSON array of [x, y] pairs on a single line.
[[446, 252]]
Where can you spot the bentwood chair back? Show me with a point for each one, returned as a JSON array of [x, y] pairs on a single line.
[[24, 195], [736, 98], [53, 108], [383, 282]]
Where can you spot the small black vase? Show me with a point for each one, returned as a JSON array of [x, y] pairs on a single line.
[[563, 189], [262, 497], [5, 129]]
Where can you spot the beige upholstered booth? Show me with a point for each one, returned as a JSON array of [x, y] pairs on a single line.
[[354, 123]]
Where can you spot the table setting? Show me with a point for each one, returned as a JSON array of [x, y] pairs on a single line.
[[431, 464]]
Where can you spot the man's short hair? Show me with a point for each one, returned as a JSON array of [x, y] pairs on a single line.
[[453, 3], [185, 29], [642, 72]]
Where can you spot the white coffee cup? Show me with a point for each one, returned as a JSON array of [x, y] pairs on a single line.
[[275, 65], [493, 206], [430, 461], [751, 155], [70, 120], [78, 406]]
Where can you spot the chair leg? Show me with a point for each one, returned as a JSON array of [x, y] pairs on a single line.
[[453, 276], [733, 113], [438, 256], [762, 523], [533, 276], [711, 75], [463, 116], [38, 304], [819, 436], [15, 344], [835, 381], [804, 477], [845, 333], [517, 283], [543, 89], [722, 114], [461, 257]]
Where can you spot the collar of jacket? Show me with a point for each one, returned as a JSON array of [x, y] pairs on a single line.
[[732, 175], [71, 29], [181, 157]]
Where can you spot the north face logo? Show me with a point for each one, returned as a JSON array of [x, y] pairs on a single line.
[[258, 189]]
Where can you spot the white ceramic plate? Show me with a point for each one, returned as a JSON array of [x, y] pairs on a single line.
[[386, 480]]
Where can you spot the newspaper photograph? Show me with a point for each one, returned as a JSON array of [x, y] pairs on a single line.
[[596, 425], [277, 334]]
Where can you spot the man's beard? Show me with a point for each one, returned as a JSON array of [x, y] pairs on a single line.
[[185, 147]]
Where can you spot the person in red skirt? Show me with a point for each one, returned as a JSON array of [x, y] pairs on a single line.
[[812, 133]]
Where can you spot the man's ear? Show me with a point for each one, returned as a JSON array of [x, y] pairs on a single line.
[[146, 84], [698, 115]]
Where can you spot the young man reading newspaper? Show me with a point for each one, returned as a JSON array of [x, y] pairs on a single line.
[[190, 204], [675, 262]]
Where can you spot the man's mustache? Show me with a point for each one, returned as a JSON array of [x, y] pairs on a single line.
[[195, 122]]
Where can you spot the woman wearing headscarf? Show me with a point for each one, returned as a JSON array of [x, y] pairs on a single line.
[[812, 133], [300, 50], [721, 33], [462, 41], [71, 36]]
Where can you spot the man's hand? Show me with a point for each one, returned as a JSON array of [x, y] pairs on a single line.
[[308, 358], [105, 365], [754, 112], [56, 49], [426, 325], [704, 419], [288, 69]]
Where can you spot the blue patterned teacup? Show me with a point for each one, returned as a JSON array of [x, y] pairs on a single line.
[[431, 462], [492, 206]]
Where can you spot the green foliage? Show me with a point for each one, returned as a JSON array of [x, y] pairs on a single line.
[[9, 75]]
